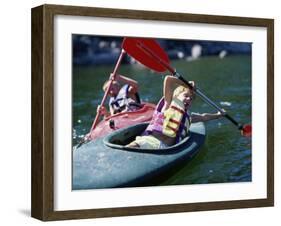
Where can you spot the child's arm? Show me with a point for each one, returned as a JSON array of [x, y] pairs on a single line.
[[170, 84], [196, 117], [102, 110], [131, 82]]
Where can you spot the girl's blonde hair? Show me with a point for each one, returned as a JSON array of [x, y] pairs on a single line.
[[181, 89]]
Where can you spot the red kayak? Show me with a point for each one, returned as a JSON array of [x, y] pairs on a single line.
[[122, 120]]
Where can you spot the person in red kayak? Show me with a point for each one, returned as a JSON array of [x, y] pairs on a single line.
[[171, 120], [122, 98]]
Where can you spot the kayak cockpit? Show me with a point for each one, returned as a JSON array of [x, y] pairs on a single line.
[[119, 139]]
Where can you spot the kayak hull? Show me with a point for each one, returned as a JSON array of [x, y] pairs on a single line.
[[107, 163], [122, 120]]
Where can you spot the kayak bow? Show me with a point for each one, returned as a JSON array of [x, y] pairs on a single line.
[[122, 120]]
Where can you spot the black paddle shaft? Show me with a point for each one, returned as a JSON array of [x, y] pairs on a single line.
[[209, 101]]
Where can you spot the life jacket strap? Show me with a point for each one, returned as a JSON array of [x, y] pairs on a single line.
[[173, 129], [177, 109], [174, 121]]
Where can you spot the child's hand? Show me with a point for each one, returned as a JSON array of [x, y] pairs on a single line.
[[222, 112], [101, 110], [192, 83], [112, 77]]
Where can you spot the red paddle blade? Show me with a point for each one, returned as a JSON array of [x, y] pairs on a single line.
[[144, 51], [247, 130]]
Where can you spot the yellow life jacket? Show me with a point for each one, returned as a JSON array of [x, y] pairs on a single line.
[[173, 122], [173, 117]]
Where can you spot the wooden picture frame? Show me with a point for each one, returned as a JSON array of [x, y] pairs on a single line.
[[42, 205]]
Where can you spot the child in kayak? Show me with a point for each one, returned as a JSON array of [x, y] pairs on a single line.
[[122, 98], [171, 120]]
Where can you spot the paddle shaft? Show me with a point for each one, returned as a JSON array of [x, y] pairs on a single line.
[[112, 78], [197, 90], [210, 102]]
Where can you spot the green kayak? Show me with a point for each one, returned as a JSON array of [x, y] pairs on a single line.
[[107, 163]]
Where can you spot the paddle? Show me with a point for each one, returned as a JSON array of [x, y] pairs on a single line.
[[150, 54], [112, 78]]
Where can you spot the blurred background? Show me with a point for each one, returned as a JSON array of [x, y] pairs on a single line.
[[92, 50], [222, 70]]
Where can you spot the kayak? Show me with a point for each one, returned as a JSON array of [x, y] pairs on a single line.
[[108, 163], [122, 120]]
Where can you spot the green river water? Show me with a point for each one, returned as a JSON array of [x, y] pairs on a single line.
[[226, 155]]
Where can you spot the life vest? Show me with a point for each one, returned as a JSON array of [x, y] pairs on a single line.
[[173, 122], [122, 101]]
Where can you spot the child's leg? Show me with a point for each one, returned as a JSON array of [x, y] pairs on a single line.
[[145, 142], [133, 144]]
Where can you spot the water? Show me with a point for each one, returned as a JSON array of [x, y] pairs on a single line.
[[226, 155]]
